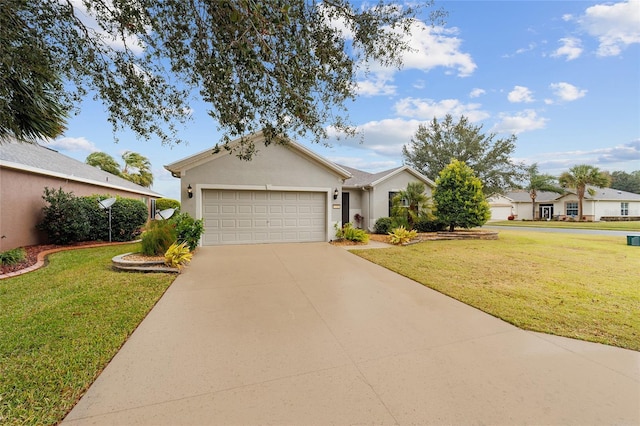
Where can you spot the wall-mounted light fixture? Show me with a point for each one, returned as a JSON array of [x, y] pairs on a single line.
[[190, 191], [335, 194]]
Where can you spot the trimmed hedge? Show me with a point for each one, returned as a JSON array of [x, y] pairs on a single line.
[[167, 203], [427, 225], [69, 219]]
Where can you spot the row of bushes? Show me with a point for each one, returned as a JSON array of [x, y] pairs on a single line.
[[69, 219], [384, 225]]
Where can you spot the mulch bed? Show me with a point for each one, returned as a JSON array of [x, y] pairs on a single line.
[[32, 255]]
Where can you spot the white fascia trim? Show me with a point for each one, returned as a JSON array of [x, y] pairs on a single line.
[[64, 176], [408, 169]]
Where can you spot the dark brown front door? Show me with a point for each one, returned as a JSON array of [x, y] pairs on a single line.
[[345, 208]]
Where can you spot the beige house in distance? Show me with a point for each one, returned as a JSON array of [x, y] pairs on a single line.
[[26, 169], [604, 204], [286, 193]]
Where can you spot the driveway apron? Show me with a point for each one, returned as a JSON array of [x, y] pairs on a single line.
[[302, 334]]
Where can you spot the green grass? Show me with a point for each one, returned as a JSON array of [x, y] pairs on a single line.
[[607, 226], [580, 286], [61, 325]]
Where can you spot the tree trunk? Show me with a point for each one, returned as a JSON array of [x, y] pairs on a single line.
[[451, 227], [580, 191], [533, 205]]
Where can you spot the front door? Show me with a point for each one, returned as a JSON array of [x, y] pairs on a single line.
[[345, 208], [546, 211]]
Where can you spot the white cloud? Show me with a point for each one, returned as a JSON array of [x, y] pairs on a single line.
[[385, 137], [619, 157], [372, 166], [571, 48], [520, 94], [132, 42], [378, 85], [616, 26], [475, 93], [73, 144], [427, 109], [524, 121], [567, 92], [430, 47]]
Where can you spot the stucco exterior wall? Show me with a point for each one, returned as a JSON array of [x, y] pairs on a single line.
[[275, 168], [355, 206], [21, 200]]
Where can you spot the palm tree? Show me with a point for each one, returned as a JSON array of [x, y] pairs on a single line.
[[579, 177], [104, 161], [410, 202], [137, 169], [539, 182]]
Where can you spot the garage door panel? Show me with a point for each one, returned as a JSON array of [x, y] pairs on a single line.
[[232, 217]]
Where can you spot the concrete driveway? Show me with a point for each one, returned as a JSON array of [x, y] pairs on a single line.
[[303, 334]]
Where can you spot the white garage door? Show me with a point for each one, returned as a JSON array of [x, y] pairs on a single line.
[[237, 217]]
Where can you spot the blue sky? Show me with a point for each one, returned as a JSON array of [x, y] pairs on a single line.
[[564, 76]]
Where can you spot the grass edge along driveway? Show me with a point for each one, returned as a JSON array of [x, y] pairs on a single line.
[[62, 324], [579, 286]]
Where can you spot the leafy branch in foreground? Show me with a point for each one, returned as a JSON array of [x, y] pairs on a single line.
[[282, 67]]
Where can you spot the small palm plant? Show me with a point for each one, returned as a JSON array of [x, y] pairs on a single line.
[[402, 235], [178, 255]]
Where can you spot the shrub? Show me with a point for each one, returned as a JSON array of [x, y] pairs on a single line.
[[128, 216], [65, 218], [158, 237], [177, 255], [69, 219], [348, 232], [383, 225], [167, 203], [429, 225], [188, 229], [401, 235], [11, 257]]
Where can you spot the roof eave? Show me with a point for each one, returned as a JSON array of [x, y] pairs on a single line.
[[36, 170]]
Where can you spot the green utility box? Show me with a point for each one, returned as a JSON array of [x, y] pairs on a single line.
[[633, 240]]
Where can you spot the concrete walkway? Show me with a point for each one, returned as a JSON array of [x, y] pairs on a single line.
[[305, 334]]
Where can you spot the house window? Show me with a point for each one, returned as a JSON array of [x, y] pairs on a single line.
[[391, 195], [152, 210], [624, 209], [572, 209]]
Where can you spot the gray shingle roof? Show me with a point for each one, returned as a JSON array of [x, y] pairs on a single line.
[[601, 194], [40, 159], [362, 178]]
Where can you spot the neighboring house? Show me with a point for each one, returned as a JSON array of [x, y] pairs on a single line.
[[501, 207], [26, 169], [604, 204], [286, 193], [369, 195]]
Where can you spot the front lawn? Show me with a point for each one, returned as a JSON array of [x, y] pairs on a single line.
[[607, 226], [580, 286], [62, 324]]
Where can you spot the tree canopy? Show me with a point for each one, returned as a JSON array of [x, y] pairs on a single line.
[[623, 181], [137, 167], [459, 198], [29, 83], [284, 67], [581, 176], [434, 146]]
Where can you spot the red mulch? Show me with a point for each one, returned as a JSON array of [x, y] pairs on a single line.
[[32, 255]]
